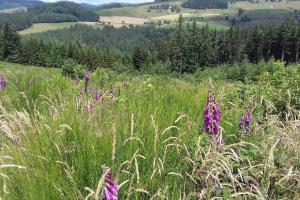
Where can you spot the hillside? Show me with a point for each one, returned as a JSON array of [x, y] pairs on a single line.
[[48, 13], [9, 4], [62, 12], [60, 134], [261, 12]]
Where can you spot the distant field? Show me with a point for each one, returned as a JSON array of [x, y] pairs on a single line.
[[266, 5], [269, 12], [141, 11], [42, 27], [118, 21]]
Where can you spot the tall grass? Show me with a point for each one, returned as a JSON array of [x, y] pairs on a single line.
[[150, 135]]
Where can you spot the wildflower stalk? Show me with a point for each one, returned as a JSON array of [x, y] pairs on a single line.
[[246, 119], [107, 189], [212, 117], [87, 78], [3, 82], [111, 90]]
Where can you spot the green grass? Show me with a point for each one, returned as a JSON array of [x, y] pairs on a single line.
[[150, 135], [43, 27]]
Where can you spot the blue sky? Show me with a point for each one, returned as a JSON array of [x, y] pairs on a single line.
[[96, 2]]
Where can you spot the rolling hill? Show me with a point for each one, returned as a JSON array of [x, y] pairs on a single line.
[[62, 12]]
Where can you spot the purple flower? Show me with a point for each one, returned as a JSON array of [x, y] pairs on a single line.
[[207, 120], [248, 121], [3, 82], [216, 128], [87, 76], [216, 118], [221, 142], [111, 90], [212, 120], [111, 188], [242, 121], [212, 116], [97, 96], [124, 83], [90, 108]]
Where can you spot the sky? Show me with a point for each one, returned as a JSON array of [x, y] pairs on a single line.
[[97, 2]]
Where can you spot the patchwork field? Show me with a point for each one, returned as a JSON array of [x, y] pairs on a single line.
[[262, 12]]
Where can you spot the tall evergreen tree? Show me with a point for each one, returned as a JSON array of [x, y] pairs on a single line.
[[10, 42]]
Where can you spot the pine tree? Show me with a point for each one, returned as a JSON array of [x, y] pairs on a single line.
[[269, 41], [286, 39], [255, 45], [139, 58], [177, 57], [10, 42]]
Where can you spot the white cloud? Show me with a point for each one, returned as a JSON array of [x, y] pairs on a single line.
[[96, 2]]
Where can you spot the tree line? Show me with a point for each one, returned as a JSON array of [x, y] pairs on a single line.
[[124, 39], [51, 54], [199, 47], [186, 49], [205, 4]]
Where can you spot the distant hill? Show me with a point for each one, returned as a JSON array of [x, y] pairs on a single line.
[[112, 5], [89, 6], [8, 4], [62, 12], [46, 13], [14, 10]]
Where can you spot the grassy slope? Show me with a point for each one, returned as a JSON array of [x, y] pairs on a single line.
[[42, 27], [83, 141], [47, 130]]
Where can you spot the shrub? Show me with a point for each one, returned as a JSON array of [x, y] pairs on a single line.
[[72, 69]]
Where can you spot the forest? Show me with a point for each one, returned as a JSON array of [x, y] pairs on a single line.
[[205, 4], [185, 49]]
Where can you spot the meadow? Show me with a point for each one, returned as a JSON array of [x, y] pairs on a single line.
[[56, 136]]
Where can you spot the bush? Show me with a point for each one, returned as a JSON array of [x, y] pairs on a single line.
[[158, 68], [72, 69]]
